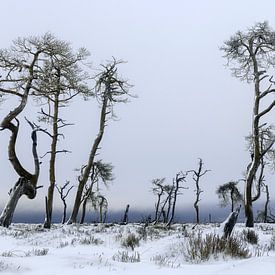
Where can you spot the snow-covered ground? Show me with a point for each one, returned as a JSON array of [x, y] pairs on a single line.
[[86, 249]]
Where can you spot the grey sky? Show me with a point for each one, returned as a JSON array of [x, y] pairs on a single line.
[[188, 104]]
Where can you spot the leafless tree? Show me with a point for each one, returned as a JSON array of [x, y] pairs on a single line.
[[158, 189], [250, 55], [125, 217], [20, 68], [63, 192], [110, 89], [197, 174], [229, 193], [180, 177]]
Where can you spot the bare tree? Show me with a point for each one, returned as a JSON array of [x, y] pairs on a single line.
[[158, 189], [125, 217], [20, 67], [251, 57], [110, 89], [180, 177], [197, 174], [63, 192], [229, 193]]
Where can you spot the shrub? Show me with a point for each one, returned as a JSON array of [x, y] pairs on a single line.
[[200, 249], [131, 241], [164, 261], [40, 252], [250, 236], [126, 258]]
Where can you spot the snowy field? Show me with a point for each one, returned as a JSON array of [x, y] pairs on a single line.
[[131, 249]]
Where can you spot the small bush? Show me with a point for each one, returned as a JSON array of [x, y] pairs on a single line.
[[86, 241], [131, 241], [164, 261], [251, 236], [40, 252], [126, 258], [199, 249]]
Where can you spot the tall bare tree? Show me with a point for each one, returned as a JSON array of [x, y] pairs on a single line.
[[251, 55], [20, 67], [196, 175], [62, 78], [110, 89]]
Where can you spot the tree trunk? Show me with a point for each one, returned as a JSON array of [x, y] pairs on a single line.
[[48, 217], [256, 157], [22, 187], [83, 210], [178, 180], [232, 200], [64, 212], [125, 218], [266, 203], [90, 163], [197, 213]]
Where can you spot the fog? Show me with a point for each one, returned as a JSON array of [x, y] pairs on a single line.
[[188, 107]]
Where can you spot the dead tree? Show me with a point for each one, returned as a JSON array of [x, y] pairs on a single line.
[[180, 177], [197, 174], [63, 192], [125, 217], [229, 193], [167, 203], [110, 89], [158, 189]]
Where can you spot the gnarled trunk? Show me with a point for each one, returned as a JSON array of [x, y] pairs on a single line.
[[21, 187]]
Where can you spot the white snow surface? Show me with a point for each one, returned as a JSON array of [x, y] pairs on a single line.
[[97, 249]]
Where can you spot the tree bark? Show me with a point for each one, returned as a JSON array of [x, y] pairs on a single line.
[[21, 187], [48, 217], [252, 170], [90, 163], [26, 185], [125, 218]]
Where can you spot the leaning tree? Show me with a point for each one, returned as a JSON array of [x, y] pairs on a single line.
[[110, 89], [20, 67], [251, 56]]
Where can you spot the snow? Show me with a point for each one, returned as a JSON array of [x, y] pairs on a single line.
[[85, 249]]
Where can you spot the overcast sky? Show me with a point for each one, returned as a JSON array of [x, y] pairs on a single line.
[[188, 104]]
